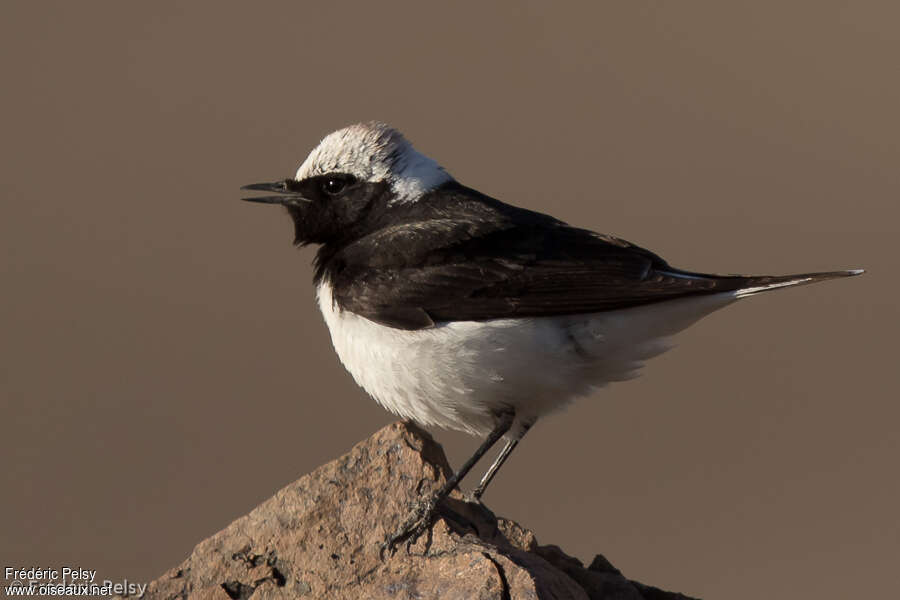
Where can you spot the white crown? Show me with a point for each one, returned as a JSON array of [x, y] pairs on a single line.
[[375, 152]]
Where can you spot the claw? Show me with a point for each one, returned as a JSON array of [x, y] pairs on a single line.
[[420, 519]]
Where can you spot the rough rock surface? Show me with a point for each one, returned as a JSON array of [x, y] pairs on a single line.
[[319, 537]]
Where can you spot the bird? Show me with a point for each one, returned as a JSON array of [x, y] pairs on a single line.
[[453, 309]]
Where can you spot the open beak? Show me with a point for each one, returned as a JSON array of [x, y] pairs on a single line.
[[287, 196]]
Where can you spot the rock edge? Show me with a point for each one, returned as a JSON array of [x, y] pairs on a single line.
[[319, 537]]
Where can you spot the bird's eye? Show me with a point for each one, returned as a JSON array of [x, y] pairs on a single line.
[[334, 185]]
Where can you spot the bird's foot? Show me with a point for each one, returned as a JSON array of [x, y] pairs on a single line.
[[471, 498], [469, 513], [419, 521]]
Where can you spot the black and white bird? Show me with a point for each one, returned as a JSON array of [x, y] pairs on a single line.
[[451, 308]]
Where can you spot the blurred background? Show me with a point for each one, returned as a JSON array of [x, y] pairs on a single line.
[[165, 368]]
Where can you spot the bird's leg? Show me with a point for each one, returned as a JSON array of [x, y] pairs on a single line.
[[423, 512], [498, 462]]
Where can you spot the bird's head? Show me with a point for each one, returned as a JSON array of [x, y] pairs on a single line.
[[351, 171]]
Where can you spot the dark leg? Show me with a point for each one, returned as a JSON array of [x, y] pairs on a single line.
[[423, 514], [498, 462]]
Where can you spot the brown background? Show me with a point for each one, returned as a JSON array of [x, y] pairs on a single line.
[[164, 368]]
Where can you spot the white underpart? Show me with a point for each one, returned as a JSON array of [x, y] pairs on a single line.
[[459, 374], [374, 152]]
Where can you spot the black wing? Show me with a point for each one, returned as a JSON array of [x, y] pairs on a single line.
[[480, 259]]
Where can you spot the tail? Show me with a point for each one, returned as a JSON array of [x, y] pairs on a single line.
[[755, 285]]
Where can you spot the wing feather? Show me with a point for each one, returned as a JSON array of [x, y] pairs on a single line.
[[458, 255], [513, 272]]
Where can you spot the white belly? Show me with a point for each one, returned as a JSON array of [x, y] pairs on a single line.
[[458, 375]]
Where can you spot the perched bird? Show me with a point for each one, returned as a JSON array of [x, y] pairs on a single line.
[[454, 309]]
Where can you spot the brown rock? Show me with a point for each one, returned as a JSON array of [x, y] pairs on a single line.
[[320, 536]]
